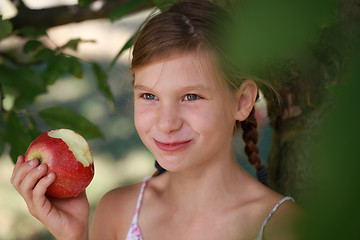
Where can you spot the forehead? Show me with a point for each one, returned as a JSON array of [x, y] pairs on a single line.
[[181, 69]]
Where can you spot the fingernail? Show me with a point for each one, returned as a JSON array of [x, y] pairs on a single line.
[[32, 162], [50, 175], [41, 166]]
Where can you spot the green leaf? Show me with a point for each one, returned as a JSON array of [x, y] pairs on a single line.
[[2, 137], [17, 136], [32, 45], [32, 32], [32, 127], [57, 66], [163, 4], [61, 117], [102, 83], [73, 43], [27, 83], [83, 3], [126, 46], [44, 55], [125, 8], [5, 28], [75, 67]]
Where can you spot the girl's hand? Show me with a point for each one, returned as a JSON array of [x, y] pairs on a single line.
[[64, 218]]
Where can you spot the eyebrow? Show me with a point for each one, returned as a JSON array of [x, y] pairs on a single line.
[[186, 89], [141, 87]]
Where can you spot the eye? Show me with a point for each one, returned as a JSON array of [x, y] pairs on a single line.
[[191, 97], [149, 96]]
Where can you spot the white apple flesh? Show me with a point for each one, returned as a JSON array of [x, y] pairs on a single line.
[[67, 154]]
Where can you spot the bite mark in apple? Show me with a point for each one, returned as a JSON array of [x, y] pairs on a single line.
[[67, 154], [76, 143]]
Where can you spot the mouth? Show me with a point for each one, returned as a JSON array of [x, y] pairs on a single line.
[[172, 146]]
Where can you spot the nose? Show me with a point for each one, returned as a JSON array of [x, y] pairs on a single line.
[[169, 118]]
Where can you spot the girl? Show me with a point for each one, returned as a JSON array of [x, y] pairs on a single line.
[[186, 111]]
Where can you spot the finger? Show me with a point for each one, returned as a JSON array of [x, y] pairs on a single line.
[[40, 201], [21, 170], [42, 185], [20, 160], [31, 179]]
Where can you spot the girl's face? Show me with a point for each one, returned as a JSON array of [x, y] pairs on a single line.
[[183, 115]]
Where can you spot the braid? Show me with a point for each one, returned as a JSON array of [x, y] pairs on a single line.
[[250, 136], [159, 170]]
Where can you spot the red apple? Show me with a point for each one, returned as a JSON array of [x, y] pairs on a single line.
[[67, 154]]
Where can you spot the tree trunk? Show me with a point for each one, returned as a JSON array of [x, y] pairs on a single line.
[[305, 101]]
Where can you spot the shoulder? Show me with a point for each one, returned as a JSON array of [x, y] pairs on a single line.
[[284, 221], [114, 212], [261, 202]]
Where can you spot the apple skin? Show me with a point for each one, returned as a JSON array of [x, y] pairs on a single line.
[[72, 177]]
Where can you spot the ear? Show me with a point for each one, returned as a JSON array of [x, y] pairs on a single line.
[[245, 97]]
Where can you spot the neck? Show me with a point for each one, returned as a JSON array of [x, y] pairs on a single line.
[[201, 186]]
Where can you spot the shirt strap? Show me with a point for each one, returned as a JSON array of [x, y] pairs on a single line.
[[134, 231], [144, 183], [260, 235]]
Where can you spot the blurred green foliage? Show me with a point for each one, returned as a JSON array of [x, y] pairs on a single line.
[[5, 28], [124, 9], [28, 69], [266, 32], [26, 75], [334, 204]]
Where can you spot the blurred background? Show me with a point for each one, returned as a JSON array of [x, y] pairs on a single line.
[[307, 50], [120, 158]]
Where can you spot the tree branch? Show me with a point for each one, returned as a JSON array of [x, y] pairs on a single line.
[[51, 17], [19, 4]]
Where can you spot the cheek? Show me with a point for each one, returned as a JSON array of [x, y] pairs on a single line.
[[219, 117], [144, 117], [202, 118], [142, 127], [141, 118]]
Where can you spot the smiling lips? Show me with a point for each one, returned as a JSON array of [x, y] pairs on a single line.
[[172, 146]]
